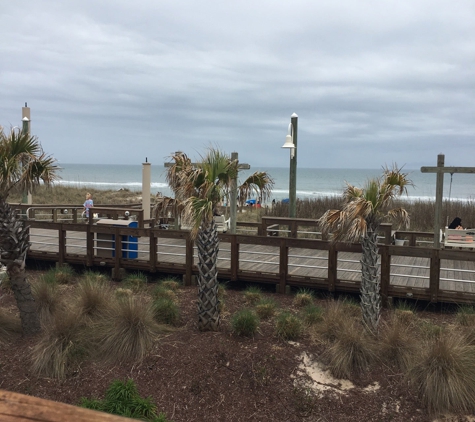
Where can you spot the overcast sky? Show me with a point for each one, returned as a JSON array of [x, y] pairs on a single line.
[[373, 82]]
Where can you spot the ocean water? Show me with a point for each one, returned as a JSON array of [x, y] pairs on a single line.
[[311, 182]]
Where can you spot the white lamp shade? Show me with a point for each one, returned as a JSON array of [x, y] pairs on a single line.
[[289, 143]]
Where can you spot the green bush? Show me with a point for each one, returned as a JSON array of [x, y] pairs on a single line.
[[127, 330], [303, 298], [63, 274], [161, 292], [170, 284], [444, 374], [265, 309], [135, 281], [288, 326], [252, 295], [58, 344], [166, 311], [245, 323], [123, 399], [312, 314]]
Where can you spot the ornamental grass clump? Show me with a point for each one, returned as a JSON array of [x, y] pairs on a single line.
[[332, 320], [9, 326], [265, 309], [288, 326], [92, 297], [47, 296], [166, 311], [161, 292], [312, 314], [252, 295], [170, 284], [444, 374], [466, 315], [58, 344], [127, 331], [245, 323], [303, 298], [95, 276], [351, 352], [135, 281], [397, 343], [63, 274]]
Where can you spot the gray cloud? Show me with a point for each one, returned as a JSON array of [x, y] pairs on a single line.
[[372, 82]]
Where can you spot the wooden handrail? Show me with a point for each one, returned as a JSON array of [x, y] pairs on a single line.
[[19, 407]]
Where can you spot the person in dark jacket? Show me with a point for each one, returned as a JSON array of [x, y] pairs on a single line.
[[456, 224]]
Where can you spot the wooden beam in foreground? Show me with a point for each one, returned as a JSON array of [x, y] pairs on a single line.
[[16, 407]]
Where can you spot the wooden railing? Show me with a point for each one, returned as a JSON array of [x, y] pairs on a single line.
[[19, 407]]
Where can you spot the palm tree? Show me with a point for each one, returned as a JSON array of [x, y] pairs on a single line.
[[259, 184], [199, 188], [362, 212], [23, 166]]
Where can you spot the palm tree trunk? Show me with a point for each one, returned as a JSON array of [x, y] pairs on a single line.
[[370, 282], [208, 303], [30, 320], [13, 249]]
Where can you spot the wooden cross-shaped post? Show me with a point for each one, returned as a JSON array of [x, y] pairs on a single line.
[[440, 170], [232, 191]]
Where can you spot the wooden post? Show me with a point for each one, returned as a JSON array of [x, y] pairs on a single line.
[[283, 264], [153, 250], [189, 260], [62, 244], [385, 274], [332, 267], [90, 245], [293, 229], [118, 254], [234, 258], [434, 276]]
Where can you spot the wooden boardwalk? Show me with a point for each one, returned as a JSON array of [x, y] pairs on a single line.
[[258, 261]]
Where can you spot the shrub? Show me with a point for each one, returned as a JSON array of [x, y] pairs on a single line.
[[288, 326], [63, 274], [46, 295], [127, 331], [93, 297], [161, 292], [121, 293], [123, 399], [352, 307], [252, 295], [95, 277], [265, 309], [166, 311], [466, 315], [444, 374], [397, 343], [58, 344], [303, 298], [9, 325], [312, 314], [245, 323], [135, 281], [170, 284], [428, 329], [333, 318], [351, 352]]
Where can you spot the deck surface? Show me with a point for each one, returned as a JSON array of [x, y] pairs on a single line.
[[457, 276]]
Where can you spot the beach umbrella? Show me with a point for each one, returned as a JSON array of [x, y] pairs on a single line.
[[251, 202]]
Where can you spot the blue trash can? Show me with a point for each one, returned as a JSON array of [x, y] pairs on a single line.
[[105, 243]]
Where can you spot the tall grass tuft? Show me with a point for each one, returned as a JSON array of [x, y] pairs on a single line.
[[161, 292], [170, 284], [312, 314], [397, 343], [333, 319], [288, 326], [127, 331], [166, 311], [92, 297], [9, 326], [245, 323], [444, 374], [466, 315], [351, 352], [47, 296], [303, 298], [252, 295], [57, 345], [63, 274], [265, 309], [135, 281]]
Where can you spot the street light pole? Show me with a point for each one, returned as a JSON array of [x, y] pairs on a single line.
[[291, 143]]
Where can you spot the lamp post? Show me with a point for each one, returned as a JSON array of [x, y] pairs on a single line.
[[291, 143]]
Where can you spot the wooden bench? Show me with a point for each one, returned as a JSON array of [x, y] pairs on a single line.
[[460, 239]]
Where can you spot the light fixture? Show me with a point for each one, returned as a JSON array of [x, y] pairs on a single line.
[[289, 141]]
